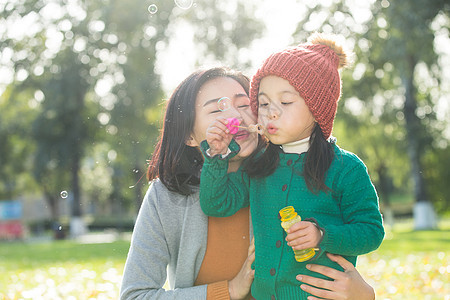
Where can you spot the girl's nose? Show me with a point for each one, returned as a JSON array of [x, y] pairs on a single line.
[[273, 114]]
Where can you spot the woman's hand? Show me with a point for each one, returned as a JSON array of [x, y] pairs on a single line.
[[239, 286], [347, 285], [218, 137], [303, 235]]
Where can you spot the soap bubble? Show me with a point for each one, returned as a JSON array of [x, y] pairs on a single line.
[[224, 103], [64, 194], [152, 9], [184, 4]]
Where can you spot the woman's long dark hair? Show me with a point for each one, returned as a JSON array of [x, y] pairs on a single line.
[[176, 164], [317, 161]]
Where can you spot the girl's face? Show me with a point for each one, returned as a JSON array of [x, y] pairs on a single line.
[[207, 109], [283, 112]]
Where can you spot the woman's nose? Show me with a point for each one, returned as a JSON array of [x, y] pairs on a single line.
[[232, 112]]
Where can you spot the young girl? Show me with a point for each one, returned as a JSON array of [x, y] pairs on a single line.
[[295, 92]]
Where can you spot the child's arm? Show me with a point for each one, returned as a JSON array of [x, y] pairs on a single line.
[[221, 194], [218, 137], [363, 230]]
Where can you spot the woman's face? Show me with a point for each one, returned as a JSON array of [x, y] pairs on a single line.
[[207, 109]]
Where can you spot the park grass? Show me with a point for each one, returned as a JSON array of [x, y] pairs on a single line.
[[415, 241], [31, 255], [408, 265], [61, 270]]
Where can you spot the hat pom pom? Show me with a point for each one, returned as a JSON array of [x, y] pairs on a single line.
[[331, 42]]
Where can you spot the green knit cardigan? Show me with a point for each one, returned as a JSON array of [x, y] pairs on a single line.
[[348, 215]]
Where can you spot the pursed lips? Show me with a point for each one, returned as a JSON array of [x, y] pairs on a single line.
[[271, 129]]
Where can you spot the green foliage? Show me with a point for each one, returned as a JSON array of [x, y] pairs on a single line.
[[15, 148], [60, 129], [224, 28]]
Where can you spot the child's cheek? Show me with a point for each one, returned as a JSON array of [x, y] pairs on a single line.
[[261, 119]]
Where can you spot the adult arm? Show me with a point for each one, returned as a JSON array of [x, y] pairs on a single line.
[[348, 284], [145, 270], [222, 194]]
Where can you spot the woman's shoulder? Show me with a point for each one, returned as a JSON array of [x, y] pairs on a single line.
[[160, 196], [158, 189], [158, 186]]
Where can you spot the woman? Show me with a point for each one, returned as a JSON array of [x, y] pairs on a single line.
[[204, 257]]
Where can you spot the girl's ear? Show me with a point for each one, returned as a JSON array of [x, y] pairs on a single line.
[[191, 142]]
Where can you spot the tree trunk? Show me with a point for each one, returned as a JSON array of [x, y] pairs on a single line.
[[77, 225], [424, 217], [76, 204], [385, 192], [53, 203]]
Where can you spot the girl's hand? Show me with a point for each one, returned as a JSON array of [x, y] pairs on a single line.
[[303, 235], [239, 286], [218, 137], [347, 285]]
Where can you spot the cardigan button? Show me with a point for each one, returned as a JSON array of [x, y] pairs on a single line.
[[284, 187], [278, 244], [272, 271], [289, 162]]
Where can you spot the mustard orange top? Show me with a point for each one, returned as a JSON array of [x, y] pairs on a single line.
[[226, 250]]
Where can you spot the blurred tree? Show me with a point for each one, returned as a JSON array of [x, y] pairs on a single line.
[[223, 30], [61, 131], [392, 42], [411, 43], [15, 148]]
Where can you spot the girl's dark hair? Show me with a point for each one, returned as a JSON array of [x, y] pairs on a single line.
[[317, 161], [176, 164]]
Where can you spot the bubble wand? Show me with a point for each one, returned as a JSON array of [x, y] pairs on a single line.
[[233, 125]]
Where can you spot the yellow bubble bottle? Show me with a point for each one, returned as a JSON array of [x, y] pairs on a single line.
[[289, 217]]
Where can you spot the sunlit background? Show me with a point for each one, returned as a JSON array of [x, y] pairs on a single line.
[[82, 92]]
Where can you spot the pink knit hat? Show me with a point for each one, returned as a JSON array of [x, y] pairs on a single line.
[[312, 69]]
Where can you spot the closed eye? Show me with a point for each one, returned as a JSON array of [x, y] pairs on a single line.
[[286, 103], [243, 106]]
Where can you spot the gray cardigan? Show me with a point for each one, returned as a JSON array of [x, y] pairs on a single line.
[[169, 241]]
